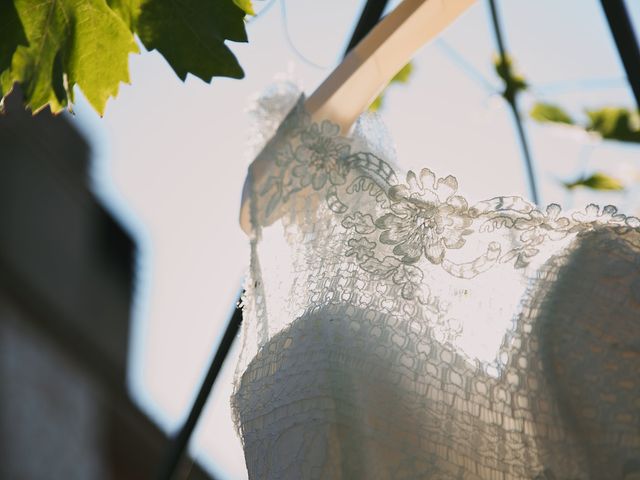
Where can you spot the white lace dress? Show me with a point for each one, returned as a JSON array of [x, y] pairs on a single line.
[[393, 331]]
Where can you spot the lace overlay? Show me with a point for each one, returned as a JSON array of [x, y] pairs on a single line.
[[394, 331]]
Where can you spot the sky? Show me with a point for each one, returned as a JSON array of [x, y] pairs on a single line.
[[170, 160]]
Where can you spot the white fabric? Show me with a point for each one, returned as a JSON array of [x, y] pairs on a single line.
[[393, 331]]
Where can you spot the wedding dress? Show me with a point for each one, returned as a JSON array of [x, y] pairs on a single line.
[[394, 331]]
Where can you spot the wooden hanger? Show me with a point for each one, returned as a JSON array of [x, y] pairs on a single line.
[[370, 66]]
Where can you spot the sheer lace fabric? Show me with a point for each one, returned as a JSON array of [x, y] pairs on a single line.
[[394, 331]]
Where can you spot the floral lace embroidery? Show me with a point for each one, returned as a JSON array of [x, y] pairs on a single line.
[[420, 218]]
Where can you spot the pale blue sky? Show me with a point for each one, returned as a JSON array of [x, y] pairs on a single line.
[[170, 161]]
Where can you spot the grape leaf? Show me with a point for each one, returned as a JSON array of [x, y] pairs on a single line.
[[597, 181], [190, 34], [49, 46], [246, 6], [615, 124], [70, 42], [11, 37], [127, 10], [546, 112], [402, 76], [513, 82]]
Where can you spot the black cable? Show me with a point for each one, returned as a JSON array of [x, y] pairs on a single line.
[[626, 42], [512, 102], [370, 16], [180, 442]]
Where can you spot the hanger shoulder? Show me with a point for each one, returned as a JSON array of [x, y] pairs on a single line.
[[371, 65]]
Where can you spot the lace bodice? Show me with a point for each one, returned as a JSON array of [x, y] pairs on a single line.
[[393, 330]]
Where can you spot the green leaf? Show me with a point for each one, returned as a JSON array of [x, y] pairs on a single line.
[[246, 6], [513, 82], [377, 103], [127, 10], [49, 46], [11, 37], [401, 77], [546, 112], [615, 124], [190, 34], [597, 181], [70, 42]]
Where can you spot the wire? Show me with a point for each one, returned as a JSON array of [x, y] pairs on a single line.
[[580, 84], [263, 11], [287, 35], [626, 42], [512, 102], [467, 68]]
